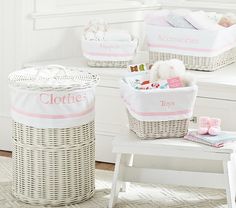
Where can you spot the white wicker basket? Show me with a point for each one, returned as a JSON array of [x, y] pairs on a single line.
[[53, 166], [158, 129], [108, 64], [112, 54], [197, 63], [201, 50], [159, 113]]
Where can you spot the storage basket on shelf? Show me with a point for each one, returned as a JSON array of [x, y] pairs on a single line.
[[199, 49], [114, 54], [52, 109], [159, 113]]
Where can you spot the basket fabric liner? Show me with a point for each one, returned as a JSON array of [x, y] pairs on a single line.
[[109, 50], [60, 101], [159, 105], [200, 43], [52, 109]]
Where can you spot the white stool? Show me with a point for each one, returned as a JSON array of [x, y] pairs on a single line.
[[173, 161]]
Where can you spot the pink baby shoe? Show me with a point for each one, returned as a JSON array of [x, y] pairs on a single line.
[[214, 126], [203, 125]]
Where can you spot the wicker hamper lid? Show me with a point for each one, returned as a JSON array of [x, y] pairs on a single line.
[[52, 77]]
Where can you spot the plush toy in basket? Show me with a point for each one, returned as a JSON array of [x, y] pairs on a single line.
[[203, 41], [104, 47], [160, 101]]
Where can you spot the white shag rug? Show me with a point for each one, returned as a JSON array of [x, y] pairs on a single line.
[[136, 196]]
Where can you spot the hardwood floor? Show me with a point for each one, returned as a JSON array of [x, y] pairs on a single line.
[[105, 166], [5, 153], [99, 165]]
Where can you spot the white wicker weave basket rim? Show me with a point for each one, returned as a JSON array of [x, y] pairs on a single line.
[[53, 149], [52, 78]]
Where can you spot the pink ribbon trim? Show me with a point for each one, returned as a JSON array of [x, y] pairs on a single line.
[[173, 113], [187, 48], [49, 116]]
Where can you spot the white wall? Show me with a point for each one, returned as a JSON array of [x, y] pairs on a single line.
[[41, 30], [8, 62]]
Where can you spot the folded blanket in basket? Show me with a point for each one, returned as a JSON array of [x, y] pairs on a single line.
[[111, 35], [117, 35], [178, 21], [215, 141], [158, 18], [202, 21]]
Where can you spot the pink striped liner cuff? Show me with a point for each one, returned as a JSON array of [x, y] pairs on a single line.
[[190, 49], [173, 113], [50, 116]]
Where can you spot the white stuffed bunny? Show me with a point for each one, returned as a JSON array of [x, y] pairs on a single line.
[[154, 72], [163, 70]]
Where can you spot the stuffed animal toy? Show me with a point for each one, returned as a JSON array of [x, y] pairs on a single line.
[[227, 20], [163, 70]]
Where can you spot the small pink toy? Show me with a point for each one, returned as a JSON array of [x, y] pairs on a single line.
[[203, 125], [209, 126], [214, 126], [175, 82]]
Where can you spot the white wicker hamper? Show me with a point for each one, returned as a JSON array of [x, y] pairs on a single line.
[[54, 157]]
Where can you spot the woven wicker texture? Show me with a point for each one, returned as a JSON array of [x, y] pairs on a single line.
[[108, 64], [198, 63], [53, 166], [158, 129], [52, 77]]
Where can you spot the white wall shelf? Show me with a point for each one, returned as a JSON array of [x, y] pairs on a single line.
[[220, 84]]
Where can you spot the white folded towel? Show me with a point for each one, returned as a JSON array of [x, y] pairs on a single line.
[[89, 36], [176, 18], [201, 21], [157, 18], [179, 21], [117, 35]]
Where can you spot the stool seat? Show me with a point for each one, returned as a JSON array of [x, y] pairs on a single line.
[[127, 146], [128, 142]]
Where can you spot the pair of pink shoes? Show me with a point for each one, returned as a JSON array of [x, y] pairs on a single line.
[[209, 126]]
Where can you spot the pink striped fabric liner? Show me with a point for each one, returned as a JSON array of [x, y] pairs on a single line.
[[173, 113], [108, 54], [190, 49], [49, 116]]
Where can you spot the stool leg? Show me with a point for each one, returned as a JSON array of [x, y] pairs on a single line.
[[230, 185], [129, 162], [123, 186], [116, 183]]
